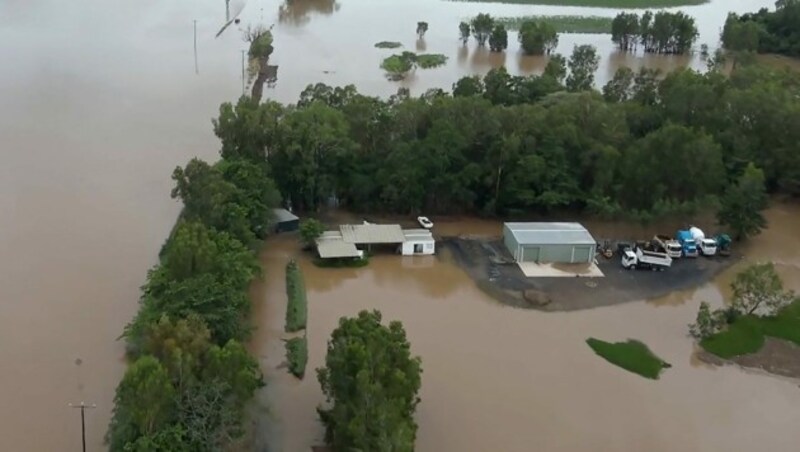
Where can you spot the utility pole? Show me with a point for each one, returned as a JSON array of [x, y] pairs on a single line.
[[83, 407], [242, 72], [196, 70], [227, 11]]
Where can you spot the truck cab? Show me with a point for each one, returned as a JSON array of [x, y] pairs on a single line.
[[707, 247], [687, 242]]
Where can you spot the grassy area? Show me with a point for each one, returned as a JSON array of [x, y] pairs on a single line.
[[746, 334], [296, 308], [429, 60], [297, 355], [388, 45], [632, 356], [599, 3], [563, 24]]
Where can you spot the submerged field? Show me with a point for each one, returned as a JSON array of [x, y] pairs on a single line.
[[599, 3], [563, 24]]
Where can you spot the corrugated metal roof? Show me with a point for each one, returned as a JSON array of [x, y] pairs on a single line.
[[550, 233], [417, 234], [283, 215], [372, 233], [333, 247]]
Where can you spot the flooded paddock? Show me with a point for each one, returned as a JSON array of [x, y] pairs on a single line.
[[501, 378]]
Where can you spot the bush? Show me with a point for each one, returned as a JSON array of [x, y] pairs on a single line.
[[632, 356], [296, 308], [388, 45], [742, 337], [297, 355]]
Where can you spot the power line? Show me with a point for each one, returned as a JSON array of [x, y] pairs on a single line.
[[196, 70], [83, 408]]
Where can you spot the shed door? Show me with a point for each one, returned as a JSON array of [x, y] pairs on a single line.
[[530, 254], [581, 253]]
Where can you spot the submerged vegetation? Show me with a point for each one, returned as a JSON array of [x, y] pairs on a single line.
[[297, 355], [562, 24], [398, 65], [297, 304], [626, 4], [388, 45], [662, 32], [765, 31], [631, 355]]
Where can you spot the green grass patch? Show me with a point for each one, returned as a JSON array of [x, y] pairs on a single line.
[[430, 60], [746, 334], [297, 305], [599, 3], [632, 356], [297, 355], [563, 24], [348, 262], [388, 45]]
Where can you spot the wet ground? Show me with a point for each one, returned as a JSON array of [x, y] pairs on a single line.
[[491, 266]]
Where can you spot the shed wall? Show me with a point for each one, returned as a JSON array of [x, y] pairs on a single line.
[[511, 243]]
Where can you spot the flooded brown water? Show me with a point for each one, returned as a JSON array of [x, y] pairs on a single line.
[[101, 101], [498, 378]]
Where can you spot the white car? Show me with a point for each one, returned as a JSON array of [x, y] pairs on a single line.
[[425, 222]]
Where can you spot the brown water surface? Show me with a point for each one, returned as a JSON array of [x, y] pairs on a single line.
[[101, 101], [499, 378]]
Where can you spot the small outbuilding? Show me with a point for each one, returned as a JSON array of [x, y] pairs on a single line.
[[567, 243], [285, 221], [417, 241]]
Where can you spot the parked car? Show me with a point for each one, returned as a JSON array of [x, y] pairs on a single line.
[[425, 222]]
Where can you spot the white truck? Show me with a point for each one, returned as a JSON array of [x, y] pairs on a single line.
[[671, 246], [706, 247], [639, 258]]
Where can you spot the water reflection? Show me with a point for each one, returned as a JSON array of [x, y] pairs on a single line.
[[420, 45], [481, 59], [298, 12]]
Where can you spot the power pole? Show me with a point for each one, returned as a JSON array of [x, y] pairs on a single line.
[[83, 407], [242, 72], [196, 70]]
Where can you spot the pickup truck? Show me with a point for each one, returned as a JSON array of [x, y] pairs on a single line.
[[670, 246], [639, 258]]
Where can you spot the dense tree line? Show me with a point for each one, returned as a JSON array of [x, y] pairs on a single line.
[[764, 31], [662, 32], [505, 144], [190, 375]]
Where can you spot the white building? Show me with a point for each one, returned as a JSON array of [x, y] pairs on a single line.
[[343, 243], [417, 241]]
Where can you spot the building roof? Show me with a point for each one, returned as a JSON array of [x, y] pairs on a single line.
[[283, 215], [330, 244], [417, 234], [550, 233], [372, 233]]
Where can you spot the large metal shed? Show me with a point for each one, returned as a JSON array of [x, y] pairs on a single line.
[[549, 242]]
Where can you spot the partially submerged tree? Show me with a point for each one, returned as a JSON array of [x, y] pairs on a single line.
[[482, 26], [537, 37], [422, 27], [742, 203], [556, 67], [370, 382], [582, 66], [463, 32], [498, 41], [310, 230], [758, 290], [708, 322]]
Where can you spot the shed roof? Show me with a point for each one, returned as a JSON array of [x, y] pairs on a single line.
[[283, 215], [329, 247], [550, 233], [372, 233], [417, 234]]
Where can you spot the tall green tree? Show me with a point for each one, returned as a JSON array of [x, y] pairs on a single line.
[[247, 129], [742, 204], [370, 382], [625, 31], [582, 65], [759, 290], [619, 88], [498, 40], [463, 32], [481, 26], [537, 37], [556, 67]]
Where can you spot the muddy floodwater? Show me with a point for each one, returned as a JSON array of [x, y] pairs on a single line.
[[500, 378], [101, 100]]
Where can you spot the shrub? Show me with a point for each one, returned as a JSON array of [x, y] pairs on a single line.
[[297, 355], [296, 308]]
